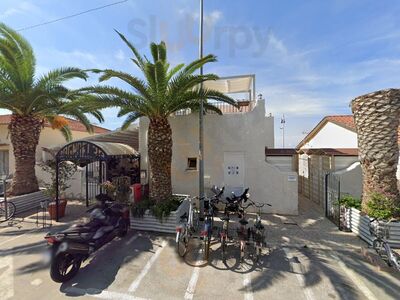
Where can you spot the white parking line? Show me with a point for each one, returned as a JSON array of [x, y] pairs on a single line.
[[135, 284], [6, 277], [248, 294], [193, 281], [102, 294], [132, 239], [18, 236], [300, 276]]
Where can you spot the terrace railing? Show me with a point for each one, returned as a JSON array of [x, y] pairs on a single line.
[[245, 106]]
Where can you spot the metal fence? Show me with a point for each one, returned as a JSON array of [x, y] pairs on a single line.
[[332, 196]]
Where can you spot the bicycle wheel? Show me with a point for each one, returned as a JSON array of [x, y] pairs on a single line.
[[391, 259], [6, 213], [223, 247], [377, 245], [181, 243]]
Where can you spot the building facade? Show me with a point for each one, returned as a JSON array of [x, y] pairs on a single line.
[[234, 156]]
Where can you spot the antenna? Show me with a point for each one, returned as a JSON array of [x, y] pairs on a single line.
[[283, 122]]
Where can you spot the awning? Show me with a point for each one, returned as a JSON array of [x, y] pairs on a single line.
[[115, 149], [233, 84]]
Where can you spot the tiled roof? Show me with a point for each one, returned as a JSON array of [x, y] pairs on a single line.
[[330, 151], [345, 121], [73, 124]]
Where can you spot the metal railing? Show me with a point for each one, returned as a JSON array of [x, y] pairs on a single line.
[[244, 107]]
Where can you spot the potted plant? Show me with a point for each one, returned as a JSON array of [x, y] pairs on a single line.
[[109, 188], [65, 171]]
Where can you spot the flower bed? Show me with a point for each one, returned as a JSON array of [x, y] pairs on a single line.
[[146, 221], [359, 224]]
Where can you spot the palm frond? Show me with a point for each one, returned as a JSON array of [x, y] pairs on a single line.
[[139, 59]]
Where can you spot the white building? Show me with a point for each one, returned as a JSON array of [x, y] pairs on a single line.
[[234, 150], [331, 147]]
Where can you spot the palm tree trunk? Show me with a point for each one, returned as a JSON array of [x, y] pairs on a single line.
[[160, 159], [376, 117], [24, 133]]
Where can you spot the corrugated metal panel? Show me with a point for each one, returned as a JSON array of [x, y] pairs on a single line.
[[359, 224], [168, 225]]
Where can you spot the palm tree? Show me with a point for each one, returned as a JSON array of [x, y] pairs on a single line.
[[163, 91], [377, 117], [33, 101]]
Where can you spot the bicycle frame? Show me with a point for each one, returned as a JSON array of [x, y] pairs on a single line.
[[381, 241]]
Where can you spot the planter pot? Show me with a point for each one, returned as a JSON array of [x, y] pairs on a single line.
[[358, 223], [52, 208], [148, 222]]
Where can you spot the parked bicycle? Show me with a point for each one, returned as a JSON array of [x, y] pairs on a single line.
[[256, 234], [232, 206], [7, 208], [210, 210], [188, 225], [380, 242]]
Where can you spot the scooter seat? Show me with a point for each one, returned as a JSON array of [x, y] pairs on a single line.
[[80, 229]]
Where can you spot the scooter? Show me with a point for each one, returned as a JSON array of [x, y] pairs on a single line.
[[69, 248]]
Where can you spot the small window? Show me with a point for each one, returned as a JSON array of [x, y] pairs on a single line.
[[192, 163]]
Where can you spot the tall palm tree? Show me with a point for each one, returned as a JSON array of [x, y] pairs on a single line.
[[33, 101], [163, 91], [377, 118]]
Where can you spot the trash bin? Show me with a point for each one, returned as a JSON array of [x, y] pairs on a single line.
[[137, 192]]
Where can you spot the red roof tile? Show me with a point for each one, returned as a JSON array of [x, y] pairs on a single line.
[[73, 124]]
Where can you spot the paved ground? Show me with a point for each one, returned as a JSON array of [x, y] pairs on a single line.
[[308, 259]]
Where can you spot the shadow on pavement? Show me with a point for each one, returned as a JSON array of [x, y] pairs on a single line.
[[107, 261]]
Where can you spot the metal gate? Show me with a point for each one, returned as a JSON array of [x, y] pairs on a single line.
[[332, 196], [95, 174]]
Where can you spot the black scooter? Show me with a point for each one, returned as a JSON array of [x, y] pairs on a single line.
[[69, 248]]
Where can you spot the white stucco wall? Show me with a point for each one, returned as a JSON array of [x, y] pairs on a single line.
[[332, 136], [247, 133], [48, 138], [351, 180]]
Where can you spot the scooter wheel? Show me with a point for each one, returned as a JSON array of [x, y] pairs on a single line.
[[123, 229], [64, 267]]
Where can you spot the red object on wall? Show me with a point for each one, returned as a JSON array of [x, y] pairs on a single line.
[[137, 192]]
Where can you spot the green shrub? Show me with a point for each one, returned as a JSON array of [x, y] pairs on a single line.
[[350, 201], [139, 208], [160, 210], [163, 209], [381, 206]]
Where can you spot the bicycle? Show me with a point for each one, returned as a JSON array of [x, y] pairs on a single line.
[[7, 208], [209, 213], [188, 224], [257, 232], [380, 243], [231, 206]]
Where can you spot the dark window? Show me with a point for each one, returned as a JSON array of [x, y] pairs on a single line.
[[192, 163]]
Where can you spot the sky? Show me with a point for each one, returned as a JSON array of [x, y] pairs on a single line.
[[310, 58]]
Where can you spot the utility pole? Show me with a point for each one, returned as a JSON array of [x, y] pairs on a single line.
[[201, 121], [283, 121]]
